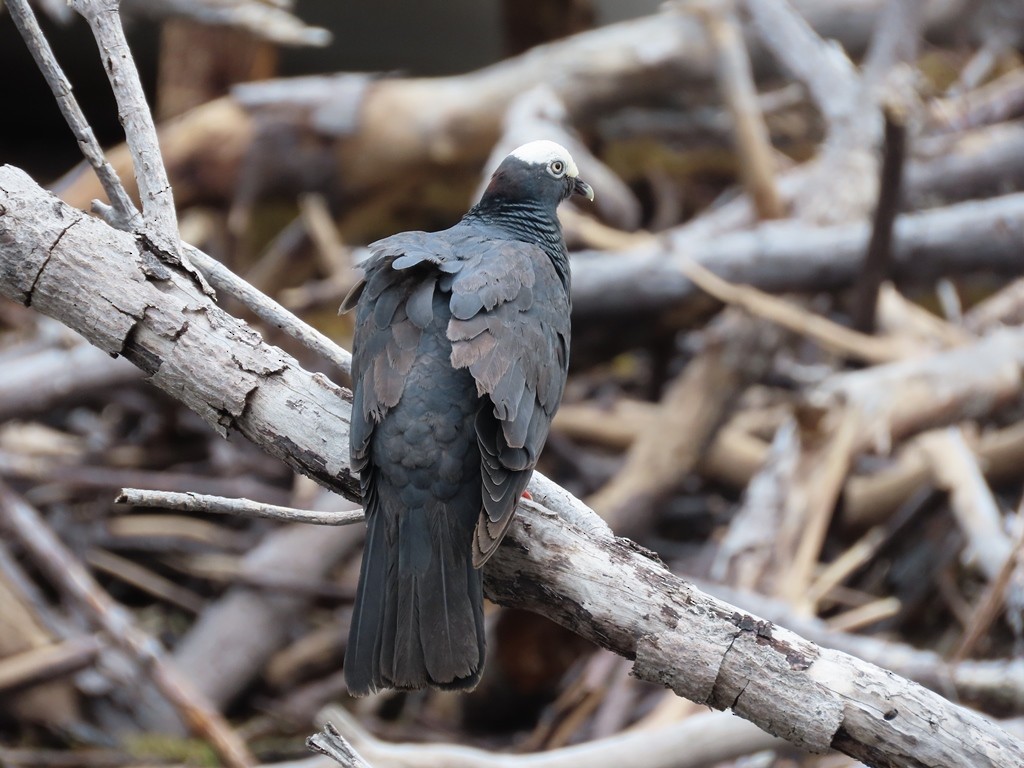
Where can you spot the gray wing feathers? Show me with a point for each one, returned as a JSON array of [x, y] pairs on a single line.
[[510, 328], [389, 324]]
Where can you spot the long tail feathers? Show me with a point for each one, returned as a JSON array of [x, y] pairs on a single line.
[[362, 670], [418, 614]]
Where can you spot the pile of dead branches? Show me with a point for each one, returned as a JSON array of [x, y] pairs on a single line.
[[798, 378]]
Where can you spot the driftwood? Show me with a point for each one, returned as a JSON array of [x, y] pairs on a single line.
[[360, 136], [793, 256], [34, 382], [845, 448], [737, 351], [607, 590], [231, 378], [269, 21]]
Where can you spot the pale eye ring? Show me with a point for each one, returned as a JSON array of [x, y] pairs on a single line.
[[557, 167]]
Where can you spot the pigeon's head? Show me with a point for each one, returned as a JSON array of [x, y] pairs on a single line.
[[541, 172]]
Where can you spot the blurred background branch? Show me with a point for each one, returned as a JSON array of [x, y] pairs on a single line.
[[861, 488]]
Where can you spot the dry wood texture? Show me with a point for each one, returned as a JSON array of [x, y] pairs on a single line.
[[795, 409], [606, 591]]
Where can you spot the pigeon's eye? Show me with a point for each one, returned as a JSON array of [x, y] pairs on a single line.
[[557, 167]]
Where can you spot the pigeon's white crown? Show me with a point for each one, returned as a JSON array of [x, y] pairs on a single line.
[[543, 152]]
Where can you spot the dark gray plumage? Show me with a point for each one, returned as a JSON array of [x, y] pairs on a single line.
[[460, 356]]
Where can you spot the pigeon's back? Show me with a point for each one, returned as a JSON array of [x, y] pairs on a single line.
[[459, 362]]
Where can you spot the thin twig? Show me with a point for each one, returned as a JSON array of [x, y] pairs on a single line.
[[995, 102], [865, 615], [1004, 307], [47, 662], [142, 578], [836, 572], [830, 335], [71, 578], [268, 310], [879, 254], [122, 212], [736, 83], [331, 743], [991, 601], [158, 223], [826, 449], [955, 468], [197, 502], [332, 255], [126, 216], [159, 217]]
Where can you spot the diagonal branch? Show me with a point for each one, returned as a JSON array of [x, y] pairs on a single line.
[[93, 278], [154, 188], [123, 214]]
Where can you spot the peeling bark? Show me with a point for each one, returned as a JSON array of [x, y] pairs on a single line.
[[608, 590], [99, 282]]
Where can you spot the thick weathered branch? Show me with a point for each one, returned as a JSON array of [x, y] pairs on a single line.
[[712, 653], [93, 278]]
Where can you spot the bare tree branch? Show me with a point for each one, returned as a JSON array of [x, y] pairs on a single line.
[[736, 83], [781, 256], [820, 65], [331, 743], [142, 135], [186, 345], [268, 310], [607, 590], [270, 21]]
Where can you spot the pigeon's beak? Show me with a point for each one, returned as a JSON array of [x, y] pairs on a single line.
[[580, 187]]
